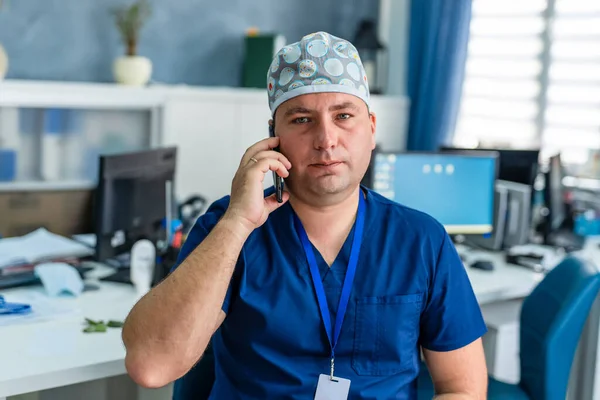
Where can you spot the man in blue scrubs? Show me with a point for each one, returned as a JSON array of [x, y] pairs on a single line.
[[330, 293]]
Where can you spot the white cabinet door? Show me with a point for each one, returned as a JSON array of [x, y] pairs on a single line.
[[392, 122], [254, 115], [202, 128]]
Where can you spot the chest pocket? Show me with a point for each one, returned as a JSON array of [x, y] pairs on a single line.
[[386, 334]]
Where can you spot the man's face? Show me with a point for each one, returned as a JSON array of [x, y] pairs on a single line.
[[328, 138]]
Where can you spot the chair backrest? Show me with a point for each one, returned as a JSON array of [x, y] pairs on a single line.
[[552, 319]]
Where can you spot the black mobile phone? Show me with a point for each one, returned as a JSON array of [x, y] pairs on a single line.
[[278, 180]]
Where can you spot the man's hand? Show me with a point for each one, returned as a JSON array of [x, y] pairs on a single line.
[[247, 205], [459, 374]]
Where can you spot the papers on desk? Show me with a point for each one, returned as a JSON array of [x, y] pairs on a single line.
[[89, 239], [39, 246]]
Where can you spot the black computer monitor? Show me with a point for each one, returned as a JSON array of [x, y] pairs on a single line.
[[554, 194], [520, 166], [557, 229], [131, 200], [456, 189]]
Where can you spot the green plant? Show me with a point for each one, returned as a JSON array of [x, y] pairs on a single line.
[[100, 326], [129, 21]]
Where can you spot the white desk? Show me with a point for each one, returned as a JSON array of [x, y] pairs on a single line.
[[52, 354], [44, 355], [505, 282]]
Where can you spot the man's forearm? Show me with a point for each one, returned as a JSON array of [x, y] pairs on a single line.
[[170, 327]]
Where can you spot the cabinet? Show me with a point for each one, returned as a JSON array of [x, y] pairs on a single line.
[[210, 126], [202, 126], [54, 132]]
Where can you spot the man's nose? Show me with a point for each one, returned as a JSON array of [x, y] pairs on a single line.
[[327, 135]]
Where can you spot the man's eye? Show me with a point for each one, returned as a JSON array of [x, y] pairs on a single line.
[[301, 120], [344, 116]]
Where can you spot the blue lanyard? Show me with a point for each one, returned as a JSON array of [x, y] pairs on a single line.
[[350, 272]]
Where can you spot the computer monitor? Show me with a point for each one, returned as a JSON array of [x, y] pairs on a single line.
[[456, 189], [133, 194], [520, 166], [557, 230], [554, 194]]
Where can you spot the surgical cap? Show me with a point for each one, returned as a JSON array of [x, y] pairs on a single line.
[[318, 63]]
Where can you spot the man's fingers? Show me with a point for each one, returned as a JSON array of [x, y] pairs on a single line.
[[273, 154], [265, 144], [265, 165]]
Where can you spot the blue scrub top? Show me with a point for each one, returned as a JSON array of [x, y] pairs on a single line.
[[411, 289]]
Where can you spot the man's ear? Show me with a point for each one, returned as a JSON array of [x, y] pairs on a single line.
[[373, 123]]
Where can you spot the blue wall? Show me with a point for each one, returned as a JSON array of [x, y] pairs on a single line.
[[196, 42]]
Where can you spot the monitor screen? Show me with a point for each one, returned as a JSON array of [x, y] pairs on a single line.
[[455, 189], [520, 166], [131, 199]]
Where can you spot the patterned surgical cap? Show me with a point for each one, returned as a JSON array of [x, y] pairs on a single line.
[[318, 63]]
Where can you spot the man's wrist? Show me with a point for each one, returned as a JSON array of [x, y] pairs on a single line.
[[237, 226]]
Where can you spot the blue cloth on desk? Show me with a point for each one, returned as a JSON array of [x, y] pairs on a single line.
[[410, 289], [13, 308]]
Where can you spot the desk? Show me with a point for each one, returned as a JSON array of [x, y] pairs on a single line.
[[44, 355], [505, 282], [71, 356]]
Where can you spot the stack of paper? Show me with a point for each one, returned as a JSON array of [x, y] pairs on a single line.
[[39, 246]]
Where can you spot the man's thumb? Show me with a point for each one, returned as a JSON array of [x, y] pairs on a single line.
[[272, 203]]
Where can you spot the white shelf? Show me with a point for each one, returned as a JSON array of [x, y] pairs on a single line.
[[17, 93], [18, 186], [42, 94]]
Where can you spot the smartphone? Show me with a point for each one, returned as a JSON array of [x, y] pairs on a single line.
[[278, 180]]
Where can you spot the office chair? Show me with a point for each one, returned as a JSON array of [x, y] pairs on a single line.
[[551, 322]]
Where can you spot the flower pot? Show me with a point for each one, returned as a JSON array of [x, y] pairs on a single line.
[[132, 70], [3, 63]]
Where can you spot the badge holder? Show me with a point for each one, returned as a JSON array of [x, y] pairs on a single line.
[[330, 387]]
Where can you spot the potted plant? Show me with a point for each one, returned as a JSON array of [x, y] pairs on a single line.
[[3, 56], [132, 69]]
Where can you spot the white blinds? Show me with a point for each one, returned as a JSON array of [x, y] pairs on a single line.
[[533, 77], [572, 112]]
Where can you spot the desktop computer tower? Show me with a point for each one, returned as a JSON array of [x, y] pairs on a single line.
[[512, 217]]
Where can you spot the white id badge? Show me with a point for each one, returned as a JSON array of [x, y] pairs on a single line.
[[336, 389]]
